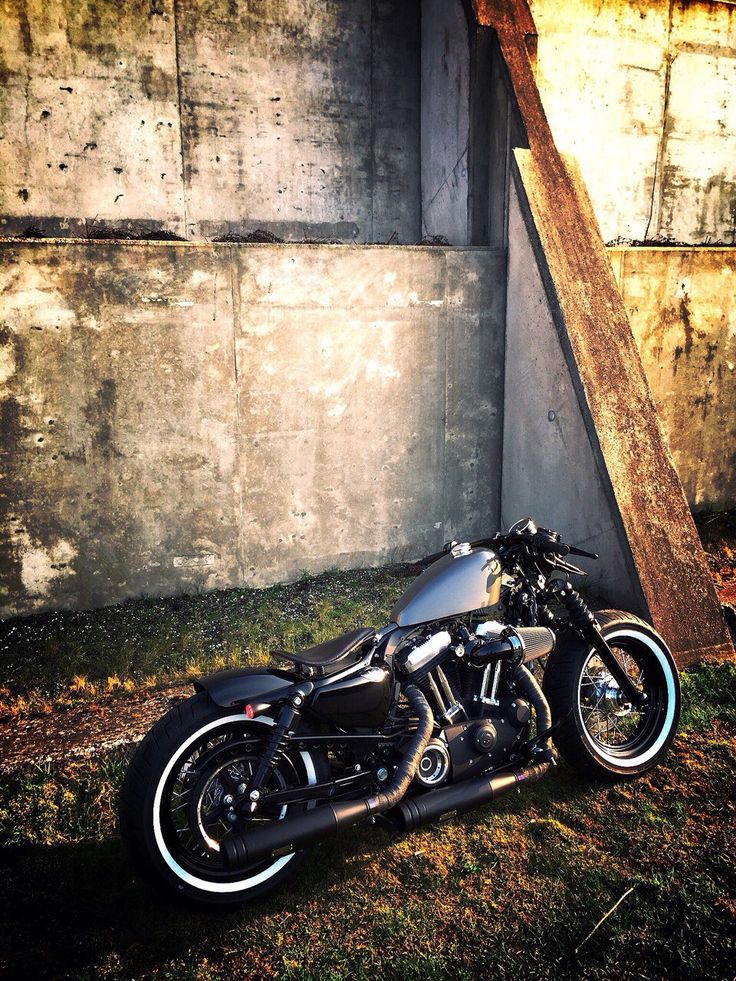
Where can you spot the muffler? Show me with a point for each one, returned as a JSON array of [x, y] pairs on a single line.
[[293, 833], [459, 797]]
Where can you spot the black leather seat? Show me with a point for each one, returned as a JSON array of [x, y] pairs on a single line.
[[324, 657]]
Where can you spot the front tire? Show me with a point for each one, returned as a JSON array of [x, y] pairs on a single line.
[[174, 809], [600, 734]]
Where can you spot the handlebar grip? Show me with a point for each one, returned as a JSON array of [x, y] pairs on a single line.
[[554, 548], [581, 551]]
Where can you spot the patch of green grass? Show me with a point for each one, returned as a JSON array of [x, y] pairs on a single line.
[[47, 804], [168, 638], [708, 693]]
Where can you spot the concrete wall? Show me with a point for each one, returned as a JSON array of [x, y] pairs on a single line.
[[445, 120], [643, 93], [297, 116], [305, 117], [550, 467], [178, 417], [682, 307]]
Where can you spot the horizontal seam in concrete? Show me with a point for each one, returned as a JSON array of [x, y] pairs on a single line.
[[305, 246]]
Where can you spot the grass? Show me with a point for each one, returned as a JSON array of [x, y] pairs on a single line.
[[509, 891], [55, 659]]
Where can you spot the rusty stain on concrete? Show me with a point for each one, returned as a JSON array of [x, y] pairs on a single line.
[[642, 93], [681, 305]]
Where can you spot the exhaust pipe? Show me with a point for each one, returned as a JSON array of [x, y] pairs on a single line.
[[456, 798], [459, 797], [283, 837], [291, 834]]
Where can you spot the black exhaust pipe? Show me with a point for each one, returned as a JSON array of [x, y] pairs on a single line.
[[459, 797], [283, 837], [293, 833]]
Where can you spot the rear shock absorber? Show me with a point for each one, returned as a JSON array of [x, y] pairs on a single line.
[[278, 740]]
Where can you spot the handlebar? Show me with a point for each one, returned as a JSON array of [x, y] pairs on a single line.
[[559, 548], [544, 542]]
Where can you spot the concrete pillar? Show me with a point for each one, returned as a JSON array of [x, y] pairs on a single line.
[[445, 121]]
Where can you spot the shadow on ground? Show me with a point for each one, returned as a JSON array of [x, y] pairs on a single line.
[[81, 910]]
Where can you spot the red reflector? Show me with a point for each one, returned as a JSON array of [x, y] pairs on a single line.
[[249, 711]]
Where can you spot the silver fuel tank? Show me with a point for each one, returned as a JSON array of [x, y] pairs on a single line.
[[463, 580]]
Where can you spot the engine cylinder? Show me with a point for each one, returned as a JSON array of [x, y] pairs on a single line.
[[422, 655]]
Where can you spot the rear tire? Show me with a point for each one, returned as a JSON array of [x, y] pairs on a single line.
[[600, 734], [172, 803]]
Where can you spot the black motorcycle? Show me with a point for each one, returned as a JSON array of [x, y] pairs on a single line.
[[436, 713]]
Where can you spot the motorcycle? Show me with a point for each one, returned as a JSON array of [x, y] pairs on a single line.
[[438, 712]]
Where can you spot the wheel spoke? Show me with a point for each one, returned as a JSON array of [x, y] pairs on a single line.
[[608, 717], [195, 812]]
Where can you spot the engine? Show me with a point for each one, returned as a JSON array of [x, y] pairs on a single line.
[[482, 721]]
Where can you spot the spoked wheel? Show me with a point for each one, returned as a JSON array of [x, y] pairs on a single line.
[[187, 790], [601, 733]]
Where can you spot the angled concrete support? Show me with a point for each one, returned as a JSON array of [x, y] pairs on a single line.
[[583, 446]]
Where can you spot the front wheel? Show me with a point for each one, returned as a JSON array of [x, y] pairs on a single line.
[[601, 734], [184, 792]]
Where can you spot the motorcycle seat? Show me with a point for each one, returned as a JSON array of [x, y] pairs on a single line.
[[324, 657]]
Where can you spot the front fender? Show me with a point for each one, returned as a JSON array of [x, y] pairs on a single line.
[[239, 686]]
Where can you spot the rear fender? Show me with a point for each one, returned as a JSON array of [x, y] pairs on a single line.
[[242, 686]]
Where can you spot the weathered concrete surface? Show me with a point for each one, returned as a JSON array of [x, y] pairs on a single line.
[[626, 438], [550, 470], [297, 116], [155, 440], [302, 117], [89, 120], [643, 93], [682, 308], [119, 431], [445, 118], [364, 429]]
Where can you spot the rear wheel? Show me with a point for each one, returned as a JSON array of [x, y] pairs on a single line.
[[601, 734], [185, 791]]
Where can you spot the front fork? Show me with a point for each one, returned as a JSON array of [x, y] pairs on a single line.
[[586, 624]]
